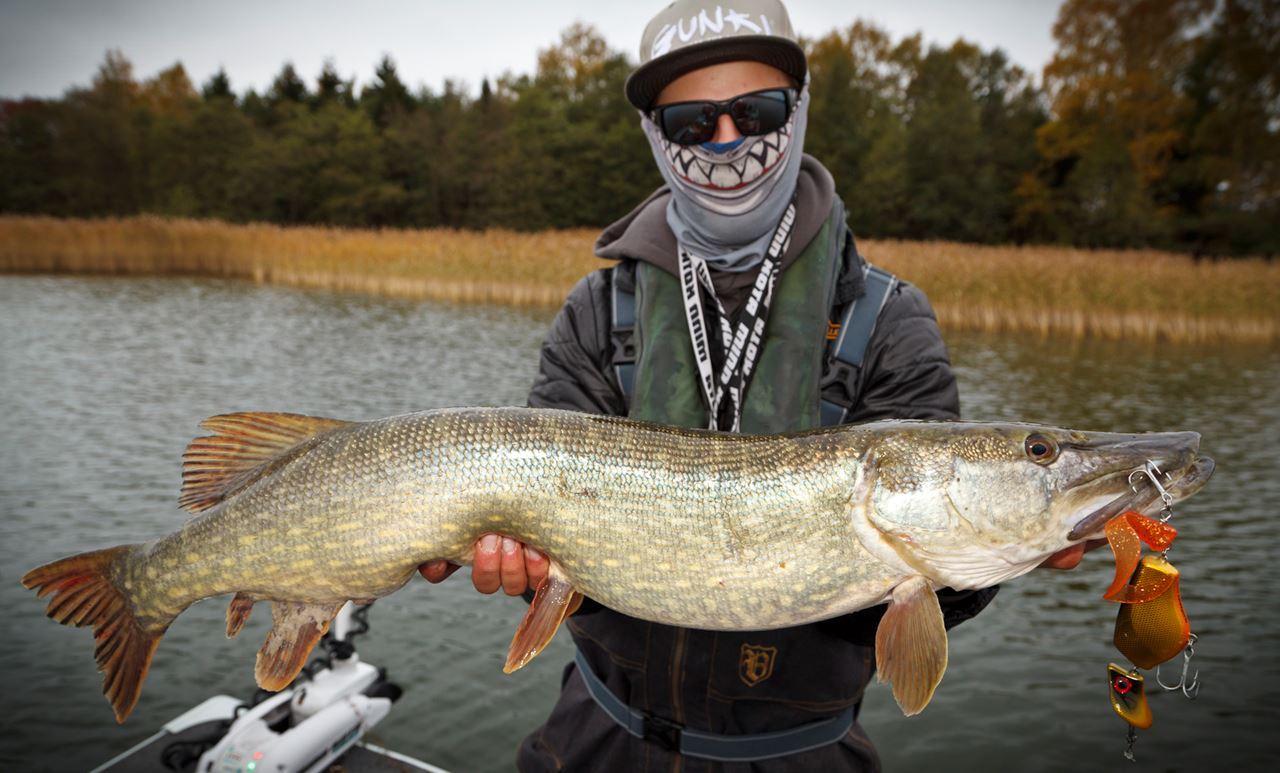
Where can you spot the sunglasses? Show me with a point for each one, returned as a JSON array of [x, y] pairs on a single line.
[[756, 113]]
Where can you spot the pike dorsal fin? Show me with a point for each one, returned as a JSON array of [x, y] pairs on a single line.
[[243, 446]]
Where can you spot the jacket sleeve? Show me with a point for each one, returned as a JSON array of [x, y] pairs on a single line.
[[575, 371], [908, 376]]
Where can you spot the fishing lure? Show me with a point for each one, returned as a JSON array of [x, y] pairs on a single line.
[[1151, 624]]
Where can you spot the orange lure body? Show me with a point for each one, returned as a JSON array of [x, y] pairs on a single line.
[[1151, 632]]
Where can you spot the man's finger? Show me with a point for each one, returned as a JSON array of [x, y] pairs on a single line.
[[437, 571], [1068, 558], [514, 577], [536, 565], [485, 564]]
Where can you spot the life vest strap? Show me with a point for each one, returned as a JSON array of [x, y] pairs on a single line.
[[841, 376], [622, 336]]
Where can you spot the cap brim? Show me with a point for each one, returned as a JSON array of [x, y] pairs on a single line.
[[644, 85]]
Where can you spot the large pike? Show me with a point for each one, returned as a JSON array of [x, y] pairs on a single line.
[[684, 527]]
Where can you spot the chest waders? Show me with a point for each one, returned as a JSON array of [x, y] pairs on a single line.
[[802, 381]]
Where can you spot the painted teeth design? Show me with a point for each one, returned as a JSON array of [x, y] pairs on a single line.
[[722, 176], [757, 158]]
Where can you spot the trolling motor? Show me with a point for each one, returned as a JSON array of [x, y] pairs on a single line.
[[306, 727]]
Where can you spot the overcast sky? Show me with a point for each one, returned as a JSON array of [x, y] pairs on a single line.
[[47, 46]]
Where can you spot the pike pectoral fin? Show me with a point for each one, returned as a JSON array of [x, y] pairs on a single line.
[[237, 613], [295, 628], [554, 600], [911, 645]]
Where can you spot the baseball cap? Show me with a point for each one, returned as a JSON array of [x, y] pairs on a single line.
[[689, 34]]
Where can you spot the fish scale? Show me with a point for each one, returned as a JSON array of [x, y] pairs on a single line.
[[686, 527]]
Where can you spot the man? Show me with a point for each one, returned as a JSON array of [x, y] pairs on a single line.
[[747, 231]]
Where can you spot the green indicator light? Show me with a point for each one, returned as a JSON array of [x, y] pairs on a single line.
[[251, 765]]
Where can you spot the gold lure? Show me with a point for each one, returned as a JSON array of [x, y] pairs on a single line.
[[1151, 632]]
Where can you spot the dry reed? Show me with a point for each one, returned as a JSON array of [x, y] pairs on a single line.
[[1132, 294]]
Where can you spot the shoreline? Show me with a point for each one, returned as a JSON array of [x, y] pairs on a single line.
[[1044, 290]]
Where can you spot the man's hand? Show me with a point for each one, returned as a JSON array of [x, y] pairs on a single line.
[[498, 562], [1069, 558]]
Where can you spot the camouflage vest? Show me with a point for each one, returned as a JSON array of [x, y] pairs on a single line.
[[784, 392]]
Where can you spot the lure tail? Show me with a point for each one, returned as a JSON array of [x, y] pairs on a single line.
[[1125, 533], [83, 594]]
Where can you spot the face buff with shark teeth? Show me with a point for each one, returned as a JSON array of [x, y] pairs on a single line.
[[727, 198]]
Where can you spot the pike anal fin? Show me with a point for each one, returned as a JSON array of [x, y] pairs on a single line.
[[554, 600], [911, 645], [296, 626]]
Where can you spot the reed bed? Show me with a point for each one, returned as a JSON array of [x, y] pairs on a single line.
[[1132, 294]]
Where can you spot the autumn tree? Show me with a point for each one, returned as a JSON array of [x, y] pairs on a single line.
[[97, 159], [1229, 177], [1118, 122]]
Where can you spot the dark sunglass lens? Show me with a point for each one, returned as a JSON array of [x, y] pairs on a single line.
[[689, 124], [756, 114]]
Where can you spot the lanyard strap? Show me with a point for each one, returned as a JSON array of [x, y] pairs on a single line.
[[741, 344]]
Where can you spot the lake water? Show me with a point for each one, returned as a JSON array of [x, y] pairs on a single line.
[[102, 383]]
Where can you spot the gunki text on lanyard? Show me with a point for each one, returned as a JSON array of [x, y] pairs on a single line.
[[741, 344]]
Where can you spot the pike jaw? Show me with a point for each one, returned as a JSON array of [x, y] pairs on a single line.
[[971, 505]]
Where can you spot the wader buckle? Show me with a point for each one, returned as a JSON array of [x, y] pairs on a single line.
[[662, 732]]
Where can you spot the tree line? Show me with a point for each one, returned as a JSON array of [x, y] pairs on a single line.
[[1157, 123]]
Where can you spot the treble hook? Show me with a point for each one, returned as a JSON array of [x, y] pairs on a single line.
[[1189, 690], [1153, 473]]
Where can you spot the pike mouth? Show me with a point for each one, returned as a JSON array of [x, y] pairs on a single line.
[[1144, 498]]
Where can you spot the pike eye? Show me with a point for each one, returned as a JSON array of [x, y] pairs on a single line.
[[1041, 449]]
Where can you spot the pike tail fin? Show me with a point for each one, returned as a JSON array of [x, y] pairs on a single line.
[[83, 594]]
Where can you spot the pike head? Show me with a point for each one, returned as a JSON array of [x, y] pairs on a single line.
[[972, 505]]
